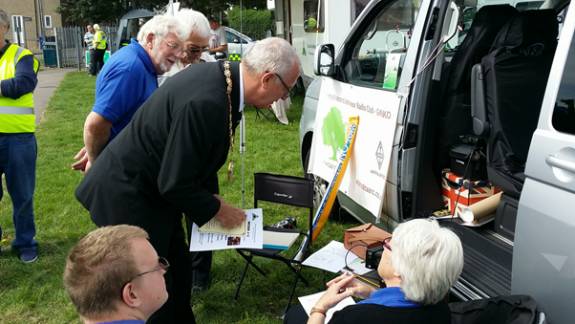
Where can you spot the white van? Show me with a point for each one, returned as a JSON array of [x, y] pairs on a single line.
[[507, 91], [315, 22]]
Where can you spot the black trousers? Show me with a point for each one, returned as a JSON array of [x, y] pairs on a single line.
[[92, 63], [98, 60]]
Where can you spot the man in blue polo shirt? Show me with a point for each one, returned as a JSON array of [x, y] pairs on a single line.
[[127, 80]]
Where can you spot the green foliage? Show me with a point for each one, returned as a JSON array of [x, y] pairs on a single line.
[[333, 131], [253, 23], [33, 293]]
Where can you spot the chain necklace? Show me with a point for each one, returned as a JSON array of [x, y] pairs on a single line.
[[228, 75]]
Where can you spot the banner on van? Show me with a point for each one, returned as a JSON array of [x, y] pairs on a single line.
[[365, 178]]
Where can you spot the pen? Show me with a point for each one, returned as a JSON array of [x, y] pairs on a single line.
[[367, 281]]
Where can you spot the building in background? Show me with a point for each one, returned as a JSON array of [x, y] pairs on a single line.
[[31, 21]]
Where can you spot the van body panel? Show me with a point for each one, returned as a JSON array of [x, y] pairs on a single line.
[[544, 258]]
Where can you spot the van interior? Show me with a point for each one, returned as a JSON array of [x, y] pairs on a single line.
[[480, 117]]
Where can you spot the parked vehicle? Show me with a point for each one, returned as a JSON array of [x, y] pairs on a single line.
[[238, 43], [315, 22], [508, 88]]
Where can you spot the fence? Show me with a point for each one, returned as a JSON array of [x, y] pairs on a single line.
[[67, 50]]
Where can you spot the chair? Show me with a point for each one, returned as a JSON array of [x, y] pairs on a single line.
[[286, 190], [507, 90], [456, 116]]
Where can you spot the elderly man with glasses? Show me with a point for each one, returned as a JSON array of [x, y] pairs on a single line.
[[127, 80], [165, 163], [114, 275]]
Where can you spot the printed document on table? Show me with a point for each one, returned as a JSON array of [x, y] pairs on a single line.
[[252, 239], [330, 257], [310, 300]]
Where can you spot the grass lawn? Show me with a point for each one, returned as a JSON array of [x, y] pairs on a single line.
[[33, 293]]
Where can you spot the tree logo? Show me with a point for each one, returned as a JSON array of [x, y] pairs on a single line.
[[333, 131]]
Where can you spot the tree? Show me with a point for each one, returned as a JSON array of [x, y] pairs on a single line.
[[333, 131]]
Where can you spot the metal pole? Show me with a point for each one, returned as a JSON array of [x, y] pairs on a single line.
[[242, 162], [78, 47]]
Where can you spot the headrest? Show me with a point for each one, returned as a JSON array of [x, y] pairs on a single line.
[[489, 16], [485, 26], [529, 28]]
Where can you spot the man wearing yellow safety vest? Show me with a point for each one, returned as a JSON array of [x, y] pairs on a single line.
[[100, 45], [18, 69]]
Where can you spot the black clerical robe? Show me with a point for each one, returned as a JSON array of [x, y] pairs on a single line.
[[165, 162]]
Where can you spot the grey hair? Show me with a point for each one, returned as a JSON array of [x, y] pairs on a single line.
[[194, 21], [4, 20], [160, 26], [272, 54], [428, 258]]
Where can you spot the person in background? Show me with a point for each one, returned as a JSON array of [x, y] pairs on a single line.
[[419, 265], [100, 44], [218, 42], [18, 148], [114, 275], [127, 80], [89, 44], [165, 162]]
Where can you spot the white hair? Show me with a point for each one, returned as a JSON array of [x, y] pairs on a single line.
[[160, 26], [194, 21], [272, 55], [96, 27], [429, 259]]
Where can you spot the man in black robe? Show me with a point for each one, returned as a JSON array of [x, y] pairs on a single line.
[[165, 162]]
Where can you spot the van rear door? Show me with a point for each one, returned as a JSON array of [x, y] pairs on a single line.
[[544, 257]]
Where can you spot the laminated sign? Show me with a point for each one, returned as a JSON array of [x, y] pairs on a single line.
[[365, 178]]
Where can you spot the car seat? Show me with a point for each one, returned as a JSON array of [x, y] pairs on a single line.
[[508, 88]]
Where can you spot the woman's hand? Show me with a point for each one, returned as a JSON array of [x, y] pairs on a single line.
[[358, 288], [336, 292]]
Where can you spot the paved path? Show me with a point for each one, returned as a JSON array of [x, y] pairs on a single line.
[[48, 81]]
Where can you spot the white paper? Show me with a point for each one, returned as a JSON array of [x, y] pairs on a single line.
[[310, 300], [252, 239], [330, 257], [357, 265]]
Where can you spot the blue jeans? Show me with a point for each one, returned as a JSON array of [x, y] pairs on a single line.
[[18, 164]]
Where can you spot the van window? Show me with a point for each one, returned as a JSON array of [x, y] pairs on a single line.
[[357, 7], [378, 56], [313, 13], [563, 118]]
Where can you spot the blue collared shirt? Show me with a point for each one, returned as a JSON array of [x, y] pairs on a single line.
[[390, 297], [125, 82]]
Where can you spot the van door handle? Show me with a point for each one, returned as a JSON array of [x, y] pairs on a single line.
[[554, 161]]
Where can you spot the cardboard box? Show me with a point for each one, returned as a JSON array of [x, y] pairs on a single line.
[[463, 192]]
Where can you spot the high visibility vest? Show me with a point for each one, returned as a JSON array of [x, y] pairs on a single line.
[[16, 115], [100, 38]]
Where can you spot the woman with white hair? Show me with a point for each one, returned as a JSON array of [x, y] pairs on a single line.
[[419, 265]]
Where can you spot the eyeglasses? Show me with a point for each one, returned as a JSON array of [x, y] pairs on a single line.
[[196, 49], [173, 45], [387, 243], [288, 89], [163, 264]]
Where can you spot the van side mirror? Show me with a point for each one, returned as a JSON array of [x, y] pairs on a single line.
[[324, 60]]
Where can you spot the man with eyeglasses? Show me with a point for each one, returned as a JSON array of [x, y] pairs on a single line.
[[114, 275], [195, 45], [165, 163], [127, 80]]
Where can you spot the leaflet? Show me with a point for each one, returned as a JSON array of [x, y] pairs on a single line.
[[252, 239]]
